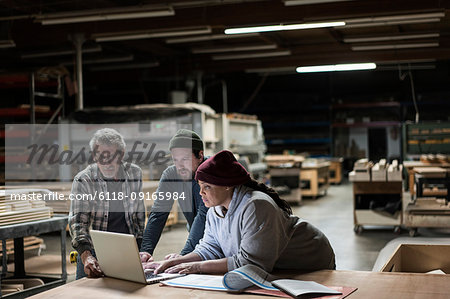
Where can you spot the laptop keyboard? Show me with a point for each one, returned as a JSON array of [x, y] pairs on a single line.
[[150, 275]]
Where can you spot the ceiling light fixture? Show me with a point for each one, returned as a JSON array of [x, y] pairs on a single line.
[[280, 70], [418, 18], [252, 55], [336, 67], [127, 66], [234, 49], [201, 38], [8, 43], [406, 67], [103, 60], [306, 2], [97, 48], [397, 17], [282, 27], [391, 47], [121, 13], [389, 38], [390, 23], [151, 34]]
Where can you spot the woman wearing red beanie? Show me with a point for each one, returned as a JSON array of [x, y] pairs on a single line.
[[248, 223]]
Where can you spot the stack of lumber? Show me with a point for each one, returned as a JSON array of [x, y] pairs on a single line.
[[379, 171], [394, 172], [29, 243], [361, 171], [365, 171], [60, 206], [439, 158], [21, 210]]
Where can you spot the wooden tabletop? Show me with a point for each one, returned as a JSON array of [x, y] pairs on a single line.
[[369, 284]]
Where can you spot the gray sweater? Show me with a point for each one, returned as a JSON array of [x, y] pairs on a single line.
[[256, 231]]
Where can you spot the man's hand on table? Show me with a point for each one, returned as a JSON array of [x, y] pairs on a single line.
[[91, 266]]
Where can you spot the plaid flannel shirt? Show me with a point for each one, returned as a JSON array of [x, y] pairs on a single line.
[[86, 214]]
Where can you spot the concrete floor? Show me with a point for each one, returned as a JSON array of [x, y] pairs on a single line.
[[332, 214]]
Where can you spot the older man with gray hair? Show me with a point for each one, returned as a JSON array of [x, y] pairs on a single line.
[[109, 182]]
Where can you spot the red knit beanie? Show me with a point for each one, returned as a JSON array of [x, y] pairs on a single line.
[[222, 169]]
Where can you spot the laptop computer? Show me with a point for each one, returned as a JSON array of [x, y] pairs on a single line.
[[118, 256]]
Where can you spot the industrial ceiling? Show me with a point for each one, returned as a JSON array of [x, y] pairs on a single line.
[[187, 37]]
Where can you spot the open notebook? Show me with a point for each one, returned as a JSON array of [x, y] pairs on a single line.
[[252, 279]]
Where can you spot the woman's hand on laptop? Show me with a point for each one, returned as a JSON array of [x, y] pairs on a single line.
[[145, 257], [152, 265], [162, 266], [185, 268], [172, 256], [91, 266]]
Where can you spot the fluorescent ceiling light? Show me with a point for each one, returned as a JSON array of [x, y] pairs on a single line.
[[201, 38], [390, 23], [151, 34], [396, 18], [281, 70], [406, 67], [127, 66], [252, 55], [282, 27], [406, 61], [9, 43], [336, 67], [103, 60], [305, 2], [390, 47], [97, 48], [234, 48], [135, 12], [389, 38]]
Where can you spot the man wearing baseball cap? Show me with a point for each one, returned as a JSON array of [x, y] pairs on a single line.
[[177, 184]]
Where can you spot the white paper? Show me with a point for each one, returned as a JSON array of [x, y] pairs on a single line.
[[197, 281]]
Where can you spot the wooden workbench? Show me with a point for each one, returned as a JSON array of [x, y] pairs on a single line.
[[363, 192], [317, 178], [409, 165], [425, 212], [369, 284], [336, 170]]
